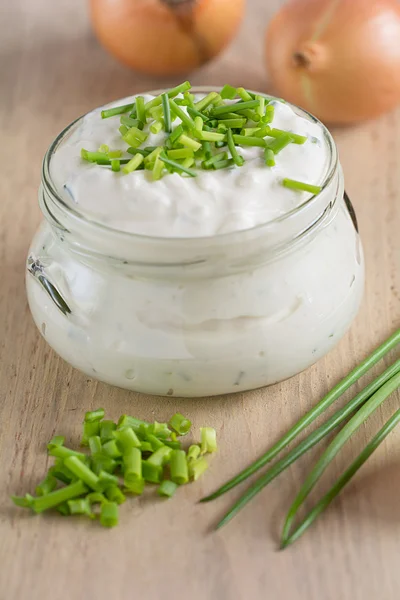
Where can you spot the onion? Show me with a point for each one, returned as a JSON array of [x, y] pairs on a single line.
[[165, 37], [338, 59]]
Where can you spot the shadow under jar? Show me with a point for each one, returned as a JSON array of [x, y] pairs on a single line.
[[196, 316]]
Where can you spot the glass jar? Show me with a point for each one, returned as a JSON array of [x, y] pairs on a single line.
[[197, 316]]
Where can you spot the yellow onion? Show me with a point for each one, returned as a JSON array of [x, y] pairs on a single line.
[[338, 59], [165, 37]]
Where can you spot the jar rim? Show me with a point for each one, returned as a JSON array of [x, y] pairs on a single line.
[[70, 211]]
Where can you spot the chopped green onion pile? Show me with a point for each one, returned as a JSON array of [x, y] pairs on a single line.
[[232, 119], [123, 457], [356, 411]]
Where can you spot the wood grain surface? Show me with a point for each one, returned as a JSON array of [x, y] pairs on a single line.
[[51, 71]]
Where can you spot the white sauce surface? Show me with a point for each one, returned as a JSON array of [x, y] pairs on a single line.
[[213, 202]]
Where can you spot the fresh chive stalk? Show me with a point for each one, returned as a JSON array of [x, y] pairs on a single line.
[[237, 159], [314, 438], [167, 113], [117, 110], [313, 414]]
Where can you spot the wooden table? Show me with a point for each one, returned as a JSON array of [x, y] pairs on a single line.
[[53, 70]]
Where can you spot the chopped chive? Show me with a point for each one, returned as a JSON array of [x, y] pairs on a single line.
[[220, 144], [63, 509], [156, 113], [132, 461], [180, 424], [188, 162], [115, 165], [196, 113], [107, 479], [238, 106], [154, 441], [48, 484], [296, 138], [95, 445], [244, 94], [114, 494], [243, 140], [94, 415], [161, 430], [140, 109], [209, 136], [269, 157], [53, 499], [160, 457], [90, 428], [117, 110], [103, 463], [207, 150], [123, 129], [157, 169], [179, 89], [129, 122], [128, 421], [82, 471], [152, 473], [121, 161], [228, 92], [197, 467], [60, 472], [96, 497], [63, 452], [262, 131], [57, 440], [198, 123], [134, 137], [109, 514], [209, 163], [223, 164], [185, 118], [178, 131], [126, 439], [261, 107], [146, 447], [230, 115], [269, 114], [193, 452], [180, 153], [135, 487], [251, 115], [179, 467], [23, 501], [279, 143], [189, 98], [177, 166], [133, 164], [104, 148], [292, 184], [175, 445], [249, 131], [233, 123], [189, 142], [206, 101], [143, 151], [237, 159], [115, 154], [208, 439], [157, 126], [167, 112], [93, 156], [167, 488], [79, 506], [107, 429], [111, 449]]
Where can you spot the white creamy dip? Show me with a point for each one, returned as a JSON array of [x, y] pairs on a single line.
[[195, 315], [213, 202]]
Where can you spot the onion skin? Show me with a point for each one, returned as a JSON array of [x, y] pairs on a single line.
[[338, 59], [165, 37]]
